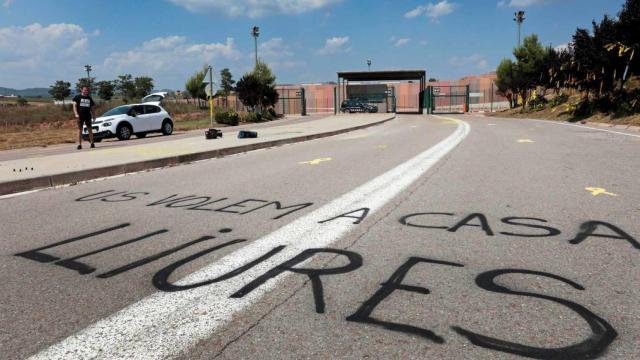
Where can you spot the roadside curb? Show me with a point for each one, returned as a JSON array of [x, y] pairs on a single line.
[[12, 187], [614, 126], [590, 123]]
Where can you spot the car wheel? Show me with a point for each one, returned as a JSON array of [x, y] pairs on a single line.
[[141, 135], [124, 132], [167, 127]]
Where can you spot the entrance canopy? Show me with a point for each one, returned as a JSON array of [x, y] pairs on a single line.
[[388, 75], [345, 90]]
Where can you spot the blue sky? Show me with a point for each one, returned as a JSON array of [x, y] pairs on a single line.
[[304, 41]]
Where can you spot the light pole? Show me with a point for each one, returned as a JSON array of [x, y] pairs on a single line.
[[88, 68], [369, 64], [519, 19], [255, 32]]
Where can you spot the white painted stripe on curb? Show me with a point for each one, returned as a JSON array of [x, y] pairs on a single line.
[[590, 128], [165, 325]]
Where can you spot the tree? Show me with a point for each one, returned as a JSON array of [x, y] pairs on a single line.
[[433, 80], [226, 82], [248, 90], [628, 25], [195, 84], [106, 90], [258, 88], [82, 82], [60, 90], [126, 87], [530, 69], [143, 85], [505, 81], [264, 74]]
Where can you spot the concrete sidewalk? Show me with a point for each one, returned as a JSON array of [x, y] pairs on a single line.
[[53, 170]]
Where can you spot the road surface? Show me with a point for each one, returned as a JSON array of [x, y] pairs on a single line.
[[425, 237]]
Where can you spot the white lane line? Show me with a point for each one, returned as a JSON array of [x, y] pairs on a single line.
[[167, 324], [590, 128]]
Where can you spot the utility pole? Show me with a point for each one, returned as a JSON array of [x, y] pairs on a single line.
[[519, 19], [369, 64], [88, 68], [255, 32]]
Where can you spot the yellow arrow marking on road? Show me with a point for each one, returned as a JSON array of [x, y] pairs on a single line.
[[315, 161], [595, 191], [448, 120], [382, 147], [525, 141]]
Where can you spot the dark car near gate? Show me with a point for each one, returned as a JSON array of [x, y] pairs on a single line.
[[353, 106]]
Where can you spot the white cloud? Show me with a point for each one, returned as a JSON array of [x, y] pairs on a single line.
[[519, 3], [169, 60], [36, 54], [335, 45], [415, 12], [253, 8], [36, 42], [165, 43], [474, 61], [274, 48], [7, 3], [401, 42], [431, 10], [562, 47]]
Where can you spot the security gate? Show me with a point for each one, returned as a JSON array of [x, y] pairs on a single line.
[[291, 101], [446, 99]]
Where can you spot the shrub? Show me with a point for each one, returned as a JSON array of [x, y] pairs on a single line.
[[227, 117], [559, 100], [536, 103], [22, 101], [251, 117], [266, 115], [583, 109]]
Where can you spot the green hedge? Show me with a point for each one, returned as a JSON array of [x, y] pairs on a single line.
[[228, 117]]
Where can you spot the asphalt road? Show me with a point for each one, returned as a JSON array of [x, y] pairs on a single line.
[[424, 237]]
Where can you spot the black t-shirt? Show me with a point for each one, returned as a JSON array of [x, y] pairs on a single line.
[[83, 106]]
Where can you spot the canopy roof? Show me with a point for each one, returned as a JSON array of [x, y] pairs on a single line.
[[387, 75]]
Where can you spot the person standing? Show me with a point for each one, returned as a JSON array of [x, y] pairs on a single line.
[[83, 109]]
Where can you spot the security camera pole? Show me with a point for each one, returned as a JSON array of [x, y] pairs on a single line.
[[255, 32], [519, 19], [211, 95], [88, 68]]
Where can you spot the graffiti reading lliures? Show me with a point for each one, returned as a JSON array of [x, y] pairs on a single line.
[[602, 333]]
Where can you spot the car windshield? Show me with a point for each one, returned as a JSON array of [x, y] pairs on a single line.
[[117, 111], [153, 98]]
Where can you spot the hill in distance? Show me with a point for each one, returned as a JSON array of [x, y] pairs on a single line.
[[31, 92]]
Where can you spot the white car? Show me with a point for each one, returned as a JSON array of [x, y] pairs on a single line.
[[126, 120]]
